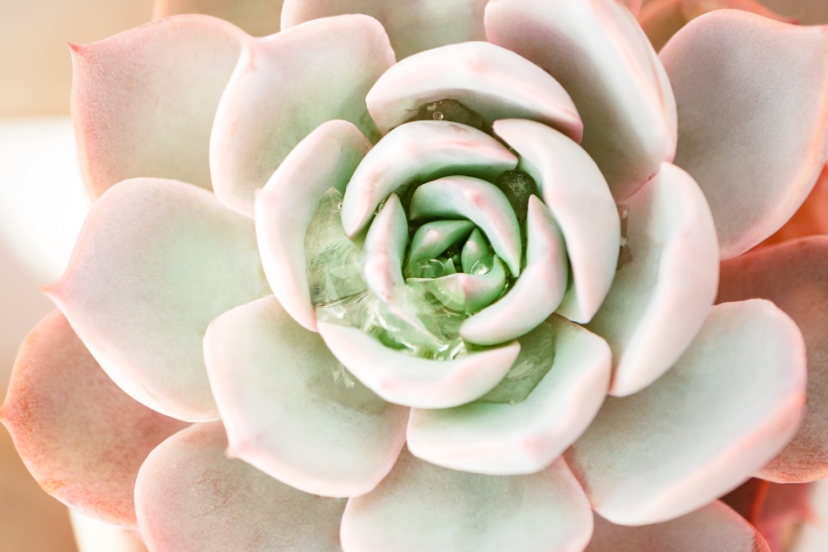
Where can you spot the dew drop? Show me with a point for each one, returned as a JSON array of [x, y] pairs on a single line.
[[429, 268], [482, 267]]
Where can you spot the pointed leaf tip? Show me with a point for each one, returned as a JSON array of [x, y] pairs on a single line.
[[793, 276], [259, 120], [162, 83], [80, 436], [190, 497], [148, 254], [698, 422], [753, 117]]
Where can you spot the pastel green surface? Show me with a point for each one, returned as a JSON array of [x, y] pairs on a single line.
[[433, 238], [467, 292], [479, 201]]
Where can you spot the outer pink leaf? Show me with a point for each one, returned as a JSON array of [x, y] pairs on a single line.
[[191, 498], [81, 437], [156, 261], [794, 275], [661, 19], [287, 412], [812, 217], [412, 25], [422, 507], [752, 95], [257, 17], [665, 283], [285, 86], [713, 527], [600, 55], [729, 405], [143, 101]]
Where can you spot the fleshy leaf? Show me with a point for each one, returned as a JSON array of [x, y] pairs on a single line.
[[433, 238], [286, 411], [537, 355], [491, 81], [727, 407], [143, 101], [334, 262], [413, 25], [413, 322], [713, 527], [600, 55], [666, 280], [266, 111], [511, 439], [467, 292], [754, 112], [418, 152], [479, 201], [812, 217], [412, 381], [385, 248], [475, 250], [420, 506], [794, 276], [156, 261], [285, 207], [257, 17], [536, 293], [576, 192], [80, 436], [191, 498], [661, 19]]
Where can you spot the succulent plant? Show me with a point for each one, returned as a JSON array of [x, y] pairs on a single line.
[[436, 276]]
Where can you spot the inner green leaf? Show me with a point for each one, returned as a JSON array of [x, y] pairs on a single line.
[[434, 238], [451, 270], [518, 186], [537, 355], [332, 260]]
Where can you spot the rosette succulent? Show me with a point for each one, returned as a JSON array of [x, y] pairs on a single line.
[[435, 276]]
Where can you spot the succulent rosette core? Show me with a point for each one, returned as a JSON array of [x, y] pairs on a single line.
[[430, 277]]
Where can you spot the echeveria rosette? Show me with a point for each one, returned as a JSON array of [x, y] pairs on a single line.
[[441, 234]]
